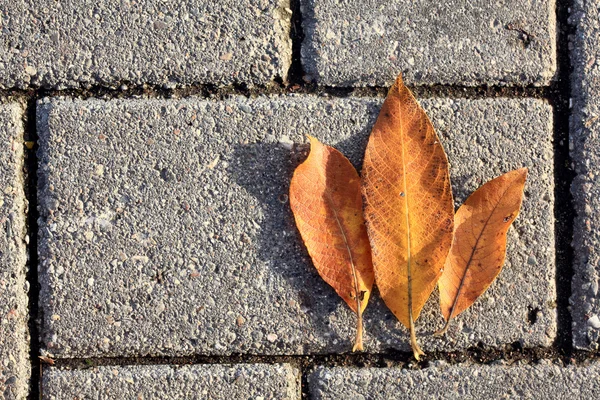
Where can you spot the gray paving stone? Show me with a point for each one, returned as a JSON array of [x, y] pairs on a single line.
[[478, 42], [227, 382], [14, 334], [113, 42], [543, 381], [585, 153], [165, 227]]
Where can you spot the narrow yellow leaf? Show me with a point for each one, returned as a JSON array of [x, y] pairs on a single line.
[[408, 206]]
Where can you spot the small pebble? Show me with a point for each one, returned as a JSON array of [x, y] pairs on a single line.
[[286, 143], [594, 322], [272, 337], [142, 259], [159, 25], [245, 108], [30, 70], [226, 56]]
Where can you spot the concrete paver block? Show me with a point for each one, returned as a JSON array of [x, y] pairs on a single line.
[[14, 334], [542, 381], [112, 42], [215, 381], [585, 153], [165, 227], [478, 42]]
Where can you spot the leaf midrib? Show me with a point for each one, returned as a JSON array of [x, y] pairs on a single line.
[[329, 199], [408, 241], [462, 280]]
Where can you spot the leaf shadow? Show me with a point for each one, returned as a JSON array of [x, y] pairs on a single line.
[[264, 170], [463, 186]]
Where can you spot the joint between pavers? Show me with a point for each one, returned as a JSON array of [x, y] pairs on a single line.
[[475, 355], [296, 71], [31, 217], [293, 88], [564, 208]]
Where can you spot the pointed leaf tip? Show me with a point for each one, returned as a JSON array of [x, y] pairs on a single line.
[[399, 82]]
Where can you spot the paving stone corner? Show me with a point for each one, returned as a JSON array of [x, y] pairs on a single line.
[[15, 368], [208, 381], [165, 227]]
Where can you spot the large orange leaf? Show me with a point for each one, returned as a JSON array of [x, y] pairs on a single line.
[[408, 205], [479, 247], [326, 201]]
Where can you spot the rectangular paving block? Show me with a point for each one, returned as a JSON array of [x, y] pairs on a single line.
[[165, 227], [226, 382], [477, 42], [542, 381], [58, 44], [585, 153], [14, 333]]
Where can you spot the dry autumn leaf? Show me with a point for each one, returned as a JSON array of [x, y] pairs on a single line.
[[479, 245], [408, 206], [326, 201]]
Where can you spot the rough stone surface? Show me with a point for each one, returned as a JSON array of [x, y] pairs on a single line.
[[585, 153], [14, 334], [543, 381], [165, 227], [226, 382], [478, 42], [60, 44]]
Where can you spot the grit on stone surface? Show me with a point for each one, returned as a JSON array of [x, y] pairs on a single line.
[[14, 334], [60, 44], [585, 153], [542, 381], [478, 42], [165, 227], [227, 382]]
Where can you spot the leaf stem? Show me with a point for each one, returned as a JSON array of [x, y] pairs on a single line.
[[358, 343], [444, 329], [413, 338]]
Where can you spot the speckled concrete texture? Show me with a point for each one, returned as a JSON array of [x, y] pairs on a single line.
[[218, 382], [477, 42], [58, 44], [585, 153], [14, 334], [165, 227], [542, 381]]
